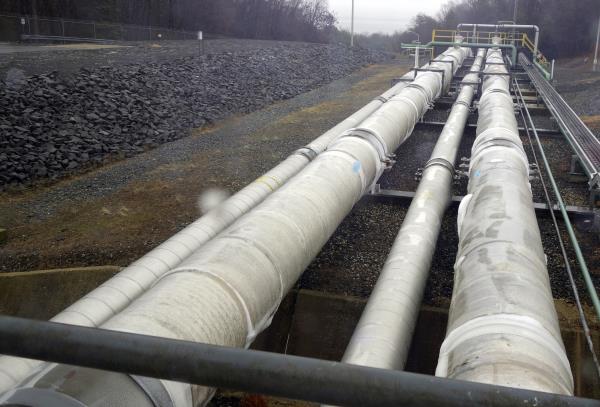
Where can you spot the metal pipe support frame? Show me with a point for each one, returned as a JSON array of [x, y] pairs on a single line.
[[513, 49]]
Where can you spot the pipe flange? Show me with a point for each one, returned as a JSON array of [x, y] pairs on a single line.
[[462, 102], [381, 99], [421, 89], [307, 152], [372, 138], [442, 162], [409, 101]]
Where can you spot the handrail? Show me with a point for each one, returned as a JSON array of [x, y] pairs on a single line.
[[484, 37], [464, 44]]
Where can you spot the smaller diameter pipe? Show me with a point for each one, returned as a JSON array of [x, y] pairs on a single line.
[[383, 334]]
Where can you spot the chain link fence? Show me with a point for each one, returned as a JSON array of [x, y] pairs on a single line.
[[24, 27]]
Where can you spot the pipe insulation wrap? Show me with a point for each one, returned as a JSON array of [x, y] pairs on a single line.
[[383, 334], [227, 290], [118, 292], [502, 328]]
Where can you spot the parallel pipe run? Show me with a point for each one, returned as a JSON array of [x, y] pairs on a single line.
[[502, 327], [118, 292], [383, 334], [227, 291], [237, 369]]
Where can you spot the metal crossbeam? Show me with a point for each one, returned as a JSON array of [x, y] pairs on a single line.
[[579, 212]]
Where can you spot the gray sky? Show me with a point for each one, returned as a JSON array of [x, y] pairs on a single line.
[[382, 15]]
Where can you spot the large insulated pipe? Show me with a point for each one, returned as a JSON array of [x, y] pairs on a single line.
[[114, 295], [502, 326], [227, 291], [383, 334], [517, 26]]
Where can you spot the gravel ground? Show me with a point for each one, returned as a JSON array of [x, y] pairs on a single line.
[[579, 86], [56, 124], [80, 221], [350, 262], [32, 60]]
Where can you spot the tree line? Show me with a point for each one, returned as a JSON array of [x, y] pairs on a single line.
[[568, 28], [295, 20]]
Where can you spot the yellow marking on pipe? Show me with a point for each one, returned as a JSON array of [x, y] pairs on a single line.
[[263, 180]]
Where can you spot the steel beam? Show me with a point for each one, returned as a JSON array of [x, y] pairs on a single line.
[[579, 212]]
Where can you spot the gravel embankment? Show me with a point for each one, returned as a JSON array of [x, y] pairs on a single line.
[[54, 124]]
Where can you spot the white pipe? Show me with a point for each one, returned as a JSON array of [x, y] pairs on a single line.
[[502, 326], [227, 291], [383, 334], [118, 292]]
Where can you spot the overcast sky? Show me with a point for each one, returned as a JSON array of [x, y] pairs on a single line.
[[382, 15]]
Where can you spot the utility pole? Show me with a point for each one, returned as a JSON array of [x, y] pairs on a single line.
[[352, 26], [515, 20], [595, 66]]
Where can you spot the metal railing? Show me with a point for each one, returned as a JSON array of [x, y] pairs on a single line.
[[517, 38], [26, 27]]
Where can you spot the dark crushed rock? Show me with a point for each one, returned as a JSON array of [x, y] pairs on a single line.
[[52, 125], [350, 262]]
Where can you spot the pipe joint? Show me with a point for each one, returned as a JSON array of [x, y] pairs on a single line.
[[428, 95], [442, 162], [374, 139], [464, 103], [307, 152]]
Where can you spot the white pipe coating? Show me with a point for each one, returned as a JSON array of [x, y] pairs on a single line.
[[383, 334], [114, 295], [228, 290], [502, 326]]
